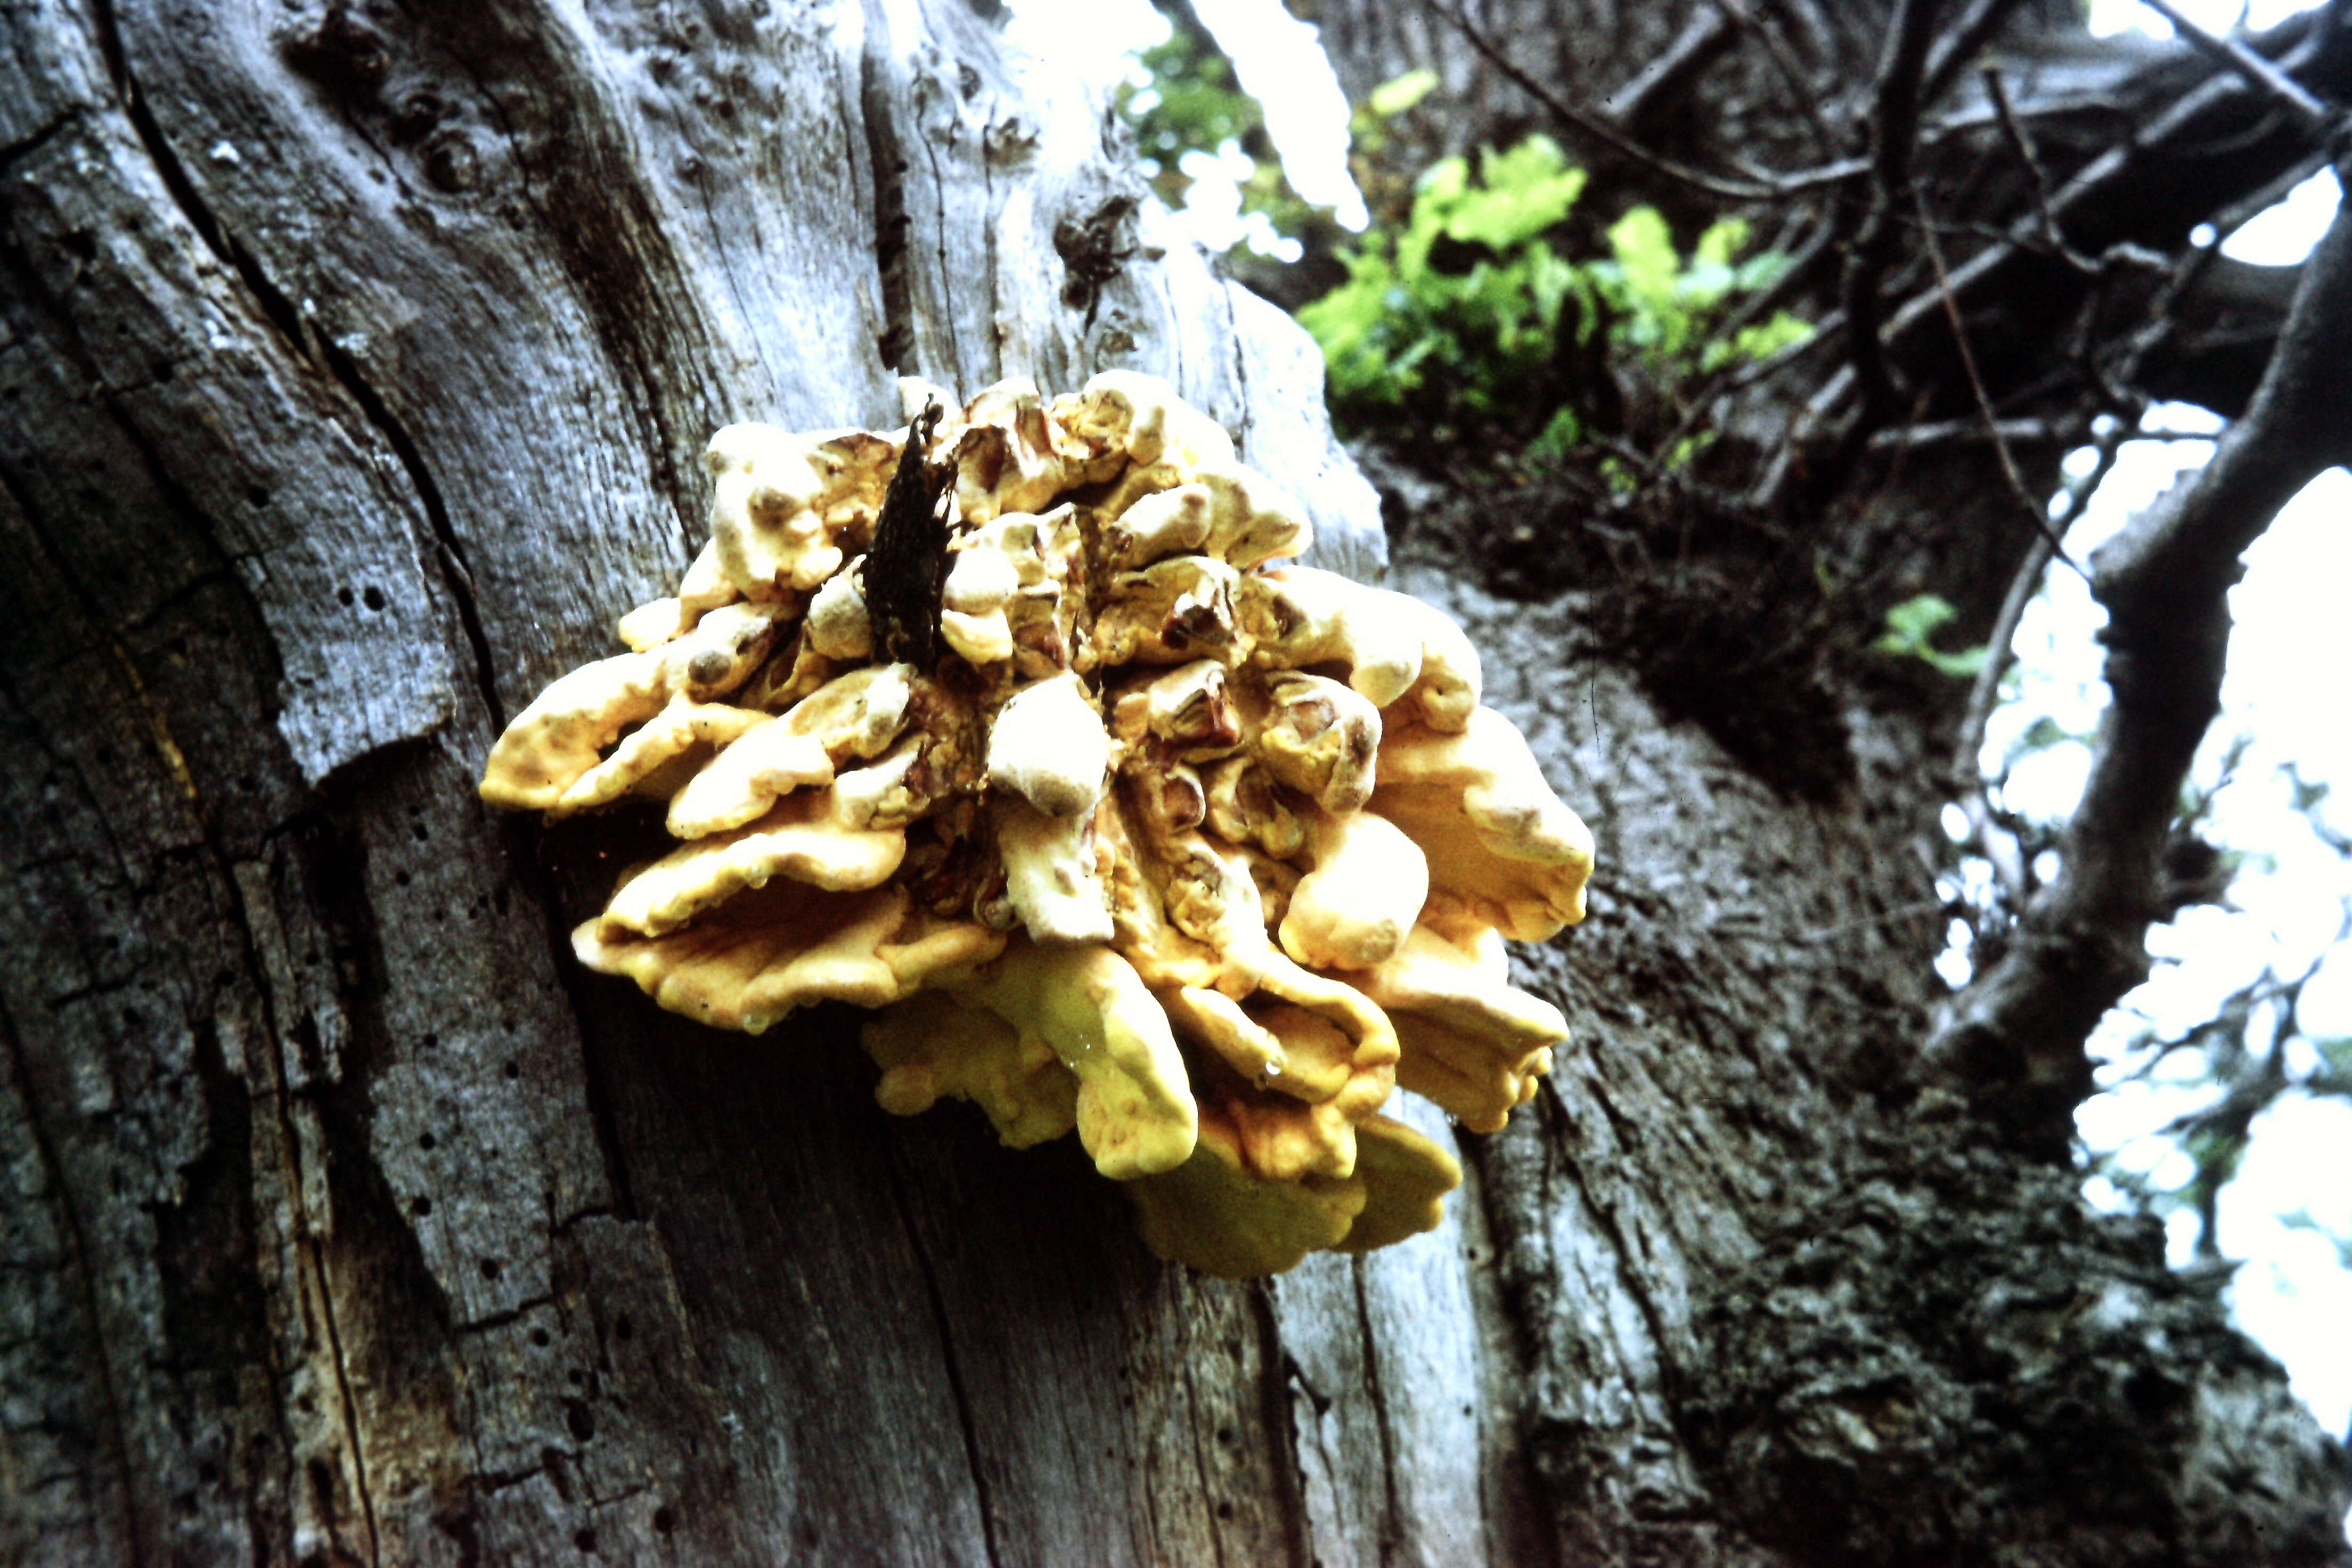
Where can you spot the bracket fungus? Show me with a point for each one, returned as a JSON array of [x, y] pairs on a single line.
[[1021, 727]]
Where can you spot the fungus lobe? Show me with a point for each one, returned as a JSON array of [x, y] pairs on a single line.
[[1121, 824]]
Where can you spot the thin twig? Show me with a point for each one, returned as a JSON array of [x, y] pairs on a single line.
[[1693, 50], [2260, 74], [1975, 28], [1802, 90], [1870, 255], [1984, 400], [2000, 650], [2103, 173], [2015, 131], [1730, 376], [1747, 927], [1884, 917], [1598, 127], [1894, 137], [2095, 179], [1963, 432], [2001, 849], [1967, 760]]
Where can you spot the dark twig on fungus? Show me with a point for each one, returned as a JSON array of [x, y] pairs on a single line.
[[907, 567]]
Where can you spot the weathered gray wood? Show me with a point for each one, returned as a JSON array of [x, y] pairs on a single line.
[[355, 364]]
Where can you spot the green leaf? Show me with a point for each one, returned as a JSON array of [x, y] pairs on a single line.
[[2336, 1052], [1395, 96], [1915, 620], [1911, 624], [1559, 436], [1645, 248], [1524, 191], [1688, 447], [1442, 182], [1781, 330], [1724, 239], [1482, 340]]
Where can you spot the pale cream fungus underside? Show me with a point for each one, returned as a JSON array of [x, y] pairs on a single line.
[[1197, 853]]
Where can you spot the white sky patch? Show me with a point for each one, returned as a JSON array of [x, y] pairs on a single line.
[[1213, 205], [1089, 39], [2283, 235], [2290, 661], [2290, 652], [1279, 61], [2109, 18], [2289, 648], [2294, 1290]]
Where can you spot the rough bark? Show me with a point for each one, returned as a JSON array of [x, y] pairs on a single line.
[[355, 364]]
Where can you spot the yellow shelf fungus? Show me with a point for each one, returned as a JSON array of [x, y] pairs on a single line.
[[1138, 831]]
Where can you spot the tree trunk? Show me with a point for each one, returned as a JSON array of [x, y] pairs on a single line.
[[358, 358]]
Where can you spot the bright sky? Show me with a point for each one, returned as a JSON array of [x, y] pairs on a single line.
[[2112, 17], [2289, 660], [2289, 655], [1280, 62]]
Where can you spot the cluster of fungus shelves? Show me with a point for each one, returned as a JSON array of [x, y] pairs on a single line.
[[1021, 727]]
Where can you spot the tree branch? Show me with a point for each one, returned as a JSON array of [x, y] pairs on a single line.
[[2014, 1041], [1894, 137], [1976, 26], [1659, 85], [2109, 199], [2283, 89], [2224, 325], [2131, 193], [2014, 129], [1597, 127], [2034, 510]]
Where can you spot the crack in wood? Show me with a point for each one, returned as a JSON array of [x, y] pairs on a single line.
[[595, 1080], [350, 1405], [956, 1390], [77, 1260], [490, 1322], [310, 347], [449, 550], [1392, 1533], [272, 963], [275, 307], [884, 152], [33, 140], [1279, 1371]]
